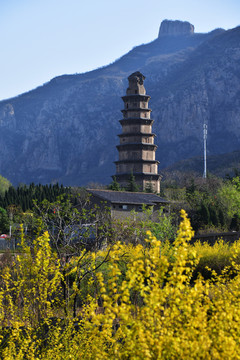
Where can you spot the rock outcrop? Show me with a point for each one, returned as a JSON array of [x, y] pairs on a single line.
[[176, 27], [67, 130]]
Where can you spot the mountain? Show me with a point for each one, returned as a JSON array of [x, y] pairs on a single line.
[[66, 130]]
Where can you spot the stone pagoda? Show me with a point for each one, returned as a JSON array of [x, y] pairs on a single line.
[[137, 149]]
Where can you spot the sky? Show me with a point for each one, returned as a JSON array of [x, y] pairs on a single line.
[[41, 39]]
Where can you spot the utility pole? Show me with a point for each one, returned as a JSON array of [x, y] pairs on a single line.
[[205, 150]]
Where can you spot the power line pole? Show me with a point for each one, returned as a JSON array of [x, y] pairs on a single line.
[[205, 150]]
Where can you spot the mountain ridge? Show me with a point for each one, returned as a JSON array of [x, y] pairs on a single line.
[[66, 130]]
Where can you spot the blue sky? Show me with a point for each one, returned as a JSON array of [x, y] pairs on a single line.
[[41, 39]]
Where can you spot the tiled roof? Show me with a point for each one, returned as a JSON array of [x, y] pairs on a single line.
[[124, 197]]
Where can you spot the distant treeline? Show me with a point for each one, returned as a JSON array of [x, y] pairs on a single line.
[[24, 196]]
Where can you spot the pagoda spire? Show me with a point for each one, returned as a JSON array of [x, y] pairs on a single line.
[[137, 149]]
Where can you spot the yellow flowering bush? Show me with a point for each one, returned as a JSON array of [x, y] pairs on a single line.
[[30, 286], [152, 311], [216, 257]]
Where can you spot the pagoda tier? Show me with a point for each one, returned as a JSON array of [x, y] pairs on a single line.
[[136, 166], [137, 149], [143, 138], [143, 180]]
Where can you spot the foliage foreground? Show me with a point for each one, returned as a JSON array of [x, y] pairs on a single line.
[[150, 308]]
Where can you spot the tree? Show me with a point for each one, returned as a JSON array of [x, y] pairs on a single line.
[[149, 188], [221, 217], [23, 195], [4, 185], [132, 185], [4, 221], [190, 189], [115, 186], [161, 225], [235, 223], [229, 195]]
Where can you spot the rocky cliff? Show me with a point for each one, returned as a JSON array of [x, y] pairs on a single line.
[[67, 129], [176, 27]]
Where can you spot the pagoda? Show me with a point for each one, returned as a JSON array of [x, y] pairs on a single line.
[[137, 149]]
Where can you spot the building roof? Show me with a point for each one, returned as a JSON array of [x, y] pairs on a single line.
[[126, 197]]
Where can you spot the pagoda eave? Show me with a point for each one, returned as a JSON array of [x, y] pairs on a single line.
[[129, 161], [136, 96], [125, 176], [143, 146], [138, 134], [141, 121], [136, 109]]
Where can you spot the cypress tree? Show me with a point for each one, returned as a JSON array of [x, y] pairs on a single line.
[[132, 186], [4, 221], [235, 223], [114, 185], [221, 218], [191, 188], [213, 216], [204, 214], [149, 188]]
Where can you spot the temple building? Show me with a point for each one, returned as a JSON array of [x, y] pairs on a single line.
[[137, 149]]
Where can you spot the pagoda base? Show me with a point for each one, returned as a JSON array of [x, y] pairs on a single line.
[[145, 181]]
